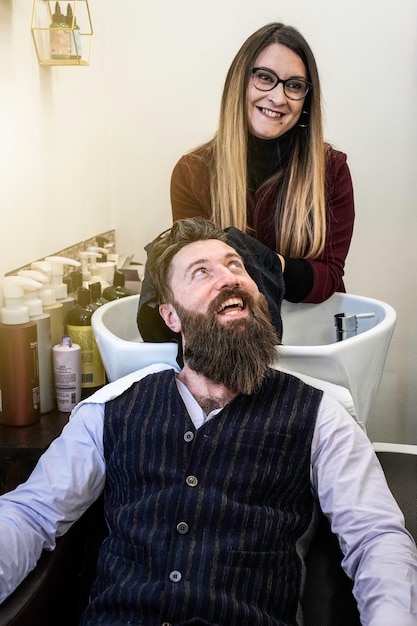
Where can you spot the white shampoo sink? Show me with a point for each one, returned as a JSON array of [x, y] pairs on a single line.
[[309, 343]]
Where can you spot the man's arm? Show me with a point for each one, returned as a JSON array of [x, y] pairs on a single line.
[[68, 478], [379, 554]]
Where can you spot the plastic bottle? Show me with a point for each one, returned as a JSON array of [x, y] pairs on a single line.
[[118, 289], [75, 35], [59, 38], [57, 264], [67, 373], [78, 326], [85, 267], [95, 274], [105, 268], [19, 364], [49, 303], [43, 325]]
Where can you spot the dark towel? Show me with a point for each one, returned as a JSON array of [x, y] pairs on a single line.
[[262, 264]]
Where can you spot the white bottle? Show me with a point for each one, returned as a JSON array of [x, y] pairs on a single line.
[[50, 304], [56, 281], [105, 267], [67, 371], [90, 269], [43, 323]]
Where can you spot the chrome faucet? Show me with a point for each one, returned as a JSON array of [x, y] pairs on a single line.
[[347, 324]]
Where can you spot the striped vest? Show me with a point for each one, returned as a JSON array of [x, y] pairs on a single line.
[[204, 523]]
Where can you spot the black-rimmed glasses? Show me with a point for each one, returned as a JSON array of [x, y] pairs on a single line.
[[265, 79]]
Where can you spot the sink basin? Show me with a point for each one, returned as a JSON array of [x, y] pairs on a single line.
[[309, 343]]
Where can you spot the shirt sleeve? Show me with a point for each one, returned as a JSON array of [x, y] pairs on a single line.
[[379, 554], [328, 270], [190, 188], [68, 478]]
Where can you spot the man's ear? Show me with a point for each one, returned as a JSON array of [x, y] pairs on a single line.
[[170, 317]]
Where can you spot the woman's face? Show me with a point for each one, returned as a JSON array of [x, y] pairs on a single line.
[[271, 113]]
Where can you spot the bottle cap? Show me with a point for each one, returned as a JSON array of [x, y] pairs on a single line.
[[119, 279], [15, 315], [83, 296], [66, 341], [95, 290]]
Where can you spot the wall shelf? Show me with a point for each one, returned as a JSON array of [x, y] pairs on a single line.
[[69, 40]]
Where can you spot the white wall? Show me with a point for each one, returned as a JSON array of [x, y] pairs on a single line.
[[55, 187], [153, 92]]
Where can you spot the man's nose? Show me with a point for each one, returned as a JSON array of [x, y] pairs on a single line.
[[226, 278]]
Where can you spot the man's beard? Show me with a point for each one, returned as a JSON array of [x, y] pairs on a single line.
[[238, 353]]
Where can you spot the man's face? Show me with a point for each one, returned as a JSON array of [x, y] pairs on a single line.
[[206, 272], [228, 336]]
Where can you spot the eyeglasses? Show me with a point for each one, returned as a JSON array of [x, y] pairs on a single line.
[[265, 79]]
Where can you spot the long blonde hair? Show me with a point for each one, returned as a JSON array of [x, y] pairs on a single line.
[[300, 212]]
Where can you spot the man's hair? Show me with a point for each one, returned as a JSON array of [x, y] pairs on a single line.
[[170, 242]]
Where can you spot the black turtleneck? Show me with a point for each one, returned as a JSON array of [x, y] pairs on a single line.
[[267, 156]]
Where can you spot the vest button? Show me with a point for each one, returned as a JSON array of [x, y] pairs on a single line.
[[188, 436], [191, 481], [166, 624], [182, 528], [175, 576]]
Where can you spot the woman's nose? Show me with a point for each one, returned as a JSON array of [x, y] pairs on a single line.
[[277, 95]]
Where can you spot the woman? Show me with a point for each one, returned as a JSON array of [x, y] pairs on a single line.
[[268, 170]]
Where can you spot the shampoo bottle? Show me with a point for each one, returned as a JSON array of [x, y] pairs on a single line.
[[95, 274], [49, 303], [105, 267], [59, 38], [43, 326], [67, 373], [57, 264], [78, 326], [118, 289], [75, 35], [19, 365]]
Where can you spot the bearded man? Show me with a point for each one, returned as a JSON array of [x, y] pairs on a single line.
[[212, 475]]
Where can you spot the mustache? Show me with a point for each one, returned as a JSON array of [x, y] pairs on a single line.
[[236, 292]]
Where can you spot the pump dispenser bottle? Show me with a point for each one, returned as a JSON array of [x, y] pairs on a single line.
[[85, 268], [118, 289], [19, 371], [49, 303], [95, 274], [57, 264], [105, 266], [43, 325], [78, 326]]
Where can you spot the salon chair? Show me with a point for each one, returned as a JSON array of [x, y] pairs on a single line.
[[55, 593]]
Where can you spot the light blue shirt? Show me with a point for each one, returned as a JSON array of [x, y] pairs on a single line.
[[346, 478]]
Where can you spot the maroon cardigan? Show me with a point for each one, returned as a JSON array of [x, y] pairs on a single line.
[[190, 197]]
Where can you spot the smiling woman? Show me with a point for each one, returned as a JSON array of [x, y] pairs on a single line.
[[268, 170]]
